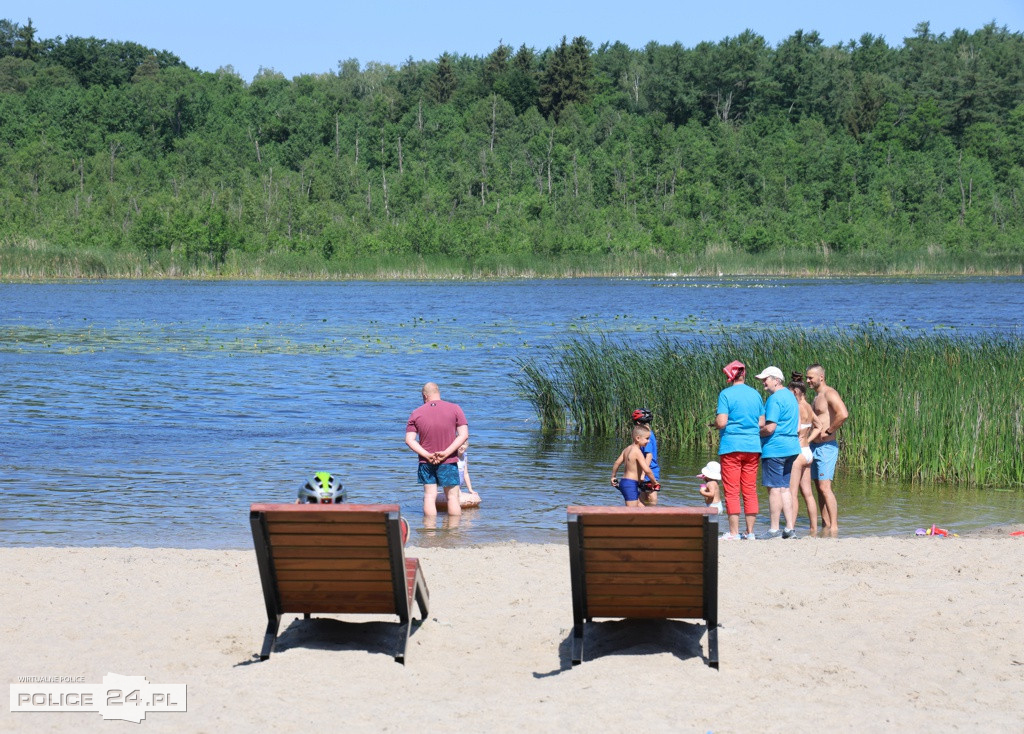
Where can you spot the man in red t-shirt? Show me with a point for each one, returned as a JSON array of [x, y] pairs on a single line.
[[435, 431]]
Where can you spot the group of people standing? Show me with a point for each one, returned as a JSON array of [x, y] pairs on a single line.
[[793, 440]]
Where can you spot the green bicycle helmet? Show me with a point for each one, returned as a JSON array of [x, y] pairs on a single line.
[[322, 488]]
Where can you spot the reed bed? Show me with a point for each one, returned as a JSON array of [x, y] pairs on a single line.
[[923, 408], [33, 260]]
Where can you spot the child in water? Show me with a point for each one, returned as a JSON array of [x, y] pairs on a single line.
[[648, 487], [634, 465], [469, 498], [710, 490]]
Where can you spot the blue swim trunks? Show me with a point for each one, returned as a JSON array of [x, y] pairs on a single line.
[[445, 475], [630, 489], [775, 471], [826, 455]]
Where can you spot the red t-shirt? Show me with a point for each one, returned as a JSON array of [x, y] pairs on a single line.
[[436, 423]]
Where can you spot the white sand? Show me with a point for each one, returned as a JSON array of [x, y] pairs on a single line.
[[848, 635]]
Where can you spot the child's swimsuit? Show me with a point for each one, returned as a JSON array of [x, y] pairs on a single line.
[[630, 489]]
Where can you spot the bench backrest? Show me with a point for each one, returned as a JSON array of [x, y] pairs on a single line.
[[654, 562], [330, 558]]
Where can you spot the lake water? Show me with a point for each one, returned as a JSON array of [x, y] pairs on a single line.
[[152, 413]]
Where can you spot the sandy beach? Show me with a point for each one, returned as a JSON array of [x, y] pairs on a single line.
[[851, 635]]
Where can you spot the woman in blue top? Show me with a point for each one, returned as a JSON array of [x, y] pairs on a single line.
[[780, 447], [739, 419]]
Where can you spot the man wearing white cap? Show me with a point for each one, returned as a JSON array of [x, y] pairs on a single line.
[[780, 445]]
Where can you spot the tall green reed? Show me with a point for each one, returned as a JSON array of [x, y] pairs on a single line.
[[945, 408]]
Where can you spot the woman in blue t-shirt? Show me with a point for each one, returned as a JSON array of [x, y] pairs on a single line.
[[739, 419]]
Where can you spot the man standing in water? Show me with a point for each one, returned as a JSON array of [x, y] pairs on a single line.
[[831, 412], [435, 431]]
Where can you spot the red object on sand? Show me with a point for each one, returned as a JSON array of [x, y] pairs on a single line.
[[1018, 533]]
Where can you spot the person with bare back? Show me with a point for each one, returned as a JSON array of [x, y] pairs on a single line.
[[634, 465], [830, 412]]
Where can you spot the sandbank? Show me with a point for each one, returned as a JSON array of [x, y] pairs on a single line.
[[866, 634]]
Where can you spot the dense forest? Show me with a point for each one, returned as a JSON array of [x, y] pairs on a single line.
[[116, 159]]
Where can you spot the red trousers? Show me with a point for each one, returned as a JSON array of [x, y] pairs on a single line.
[[739, 475]]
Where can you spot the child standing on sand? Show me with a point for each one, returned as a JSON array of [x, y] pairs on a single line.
[[710, 490], [634, 466]]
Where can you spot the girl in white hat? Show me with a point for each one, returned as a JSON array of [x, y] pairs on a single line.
[[712, 475]]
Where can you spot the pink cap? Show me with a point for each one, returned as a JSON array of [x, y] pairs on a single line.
[[734, 369]]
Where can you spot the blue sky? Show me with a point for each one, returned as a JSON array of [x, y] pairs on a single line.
[[307, 36]]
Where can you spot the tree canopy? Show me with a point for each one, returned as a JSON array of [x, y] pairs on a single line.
[[664, 150]]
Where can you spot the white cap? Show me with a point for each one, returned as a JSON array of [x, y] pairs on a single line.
[[771, 372], [713, 470]]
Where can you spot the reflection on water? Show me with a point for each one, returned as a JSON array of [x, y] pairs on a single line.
[[154, 413]]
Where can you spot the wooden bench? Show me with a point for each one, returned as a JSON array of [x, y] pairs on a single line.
[[651, 562], [335, 559]]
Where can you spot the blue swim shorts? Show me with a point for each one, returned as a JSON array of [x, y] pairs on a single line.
[[826, 455], [775, 471], [445, 475], [630, 489]]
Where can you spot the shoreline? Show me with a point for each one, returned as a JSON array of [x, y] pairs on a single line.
[[1002, 530], [869, 633], [410, 277]]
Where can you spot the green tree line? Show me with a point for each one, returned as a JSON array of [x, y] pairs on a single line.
[[861, 153]]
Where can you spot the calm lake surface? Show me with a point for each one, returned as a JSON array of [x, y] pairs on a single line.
[[152, 413]]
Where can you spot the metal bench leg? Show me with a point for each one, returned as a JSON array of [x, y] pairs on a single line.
[[422, 597], [577, 643], [713, 646], [400, 658], [273, 624]]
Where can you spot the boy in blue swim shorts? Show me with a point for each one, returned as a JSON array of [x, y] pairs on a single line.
[[634, 466]]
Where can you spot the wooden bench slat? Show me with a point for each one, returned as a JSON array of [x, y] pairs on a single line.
[[620, 566], [635, 556], [320, 540], [320, 598], [340, 514], [642, 520], [325, 528], [641, 599], [632, 543], [643, 531], [645, 579], [625, 590], [300, 587], [333, 563], [334, 552], [298, 606], [320, 574], [670, 612]]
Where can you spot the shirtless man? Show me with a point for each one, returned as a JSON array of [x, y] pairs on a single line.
[[831, 412]]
